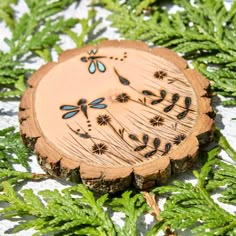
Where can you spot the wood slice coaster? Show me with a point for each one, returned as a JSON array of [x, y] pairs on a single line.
[[116, 114]]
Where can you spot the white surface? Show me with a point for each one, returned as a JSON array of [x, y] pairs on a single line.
[[9, 110]]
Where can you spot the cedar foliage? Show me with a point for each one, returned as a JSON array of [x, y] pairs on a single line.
[[76, 210], [203, 31], [191, 206], [12, 150], [36, 34]]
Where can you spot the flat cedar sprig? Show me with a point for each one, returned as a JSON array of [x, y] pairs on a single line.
[[191, 206], [202, 31], [225, 177], [208, 41], [14, 177], [188, 205], [12, 150], [74, 211], [35, 34], [6, 12]]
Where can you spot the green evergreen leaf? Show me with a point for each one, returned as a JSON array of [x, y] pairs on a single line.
[[225, 177], [203, 31], [14, 177], [132, 207], [12, 149], [35, 34], [7, 12], [74, 211], [191, 206], [223, 143]]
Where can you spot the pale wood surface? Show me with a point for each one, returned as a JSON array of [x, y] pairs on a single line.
[[146, 114]]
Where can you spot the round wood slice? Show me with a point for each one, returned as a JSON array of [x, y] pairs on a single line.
[[116, 114]]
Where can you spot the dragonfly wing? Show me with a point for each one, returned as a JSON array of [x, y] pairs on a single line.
[[97, 101], [69, 114], [94, 51], [92, 67], [101, 66], [99, 106], [68, 107]]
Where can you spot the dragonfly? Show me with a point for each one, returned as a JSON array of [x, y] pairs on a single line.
[[95, 63], [83, 107]]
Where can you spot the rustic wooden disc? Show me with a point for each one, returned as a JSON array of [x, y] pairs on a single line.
[[116, 114]]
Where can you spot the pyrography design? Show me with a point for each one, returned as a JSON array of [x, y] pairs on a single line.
[[159, 101]]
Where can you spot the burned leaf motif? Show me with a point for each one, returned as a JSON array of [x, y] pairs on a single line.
[[85, 135], [151, 153], [122, 80], [145, 141], [187, 102], [156, 143], [121, 132], [162, 95], [142, 101], [148, 93], [140, 148], [167, 148], [175, 99], [133, 137], [181, 115]]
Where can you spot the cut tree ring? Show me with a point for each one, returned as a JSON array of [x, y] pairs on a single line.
[[116, 114]]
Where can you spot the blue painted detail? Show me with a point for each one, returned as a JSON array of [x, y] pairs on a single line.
[[94, 51], [92, 67], [69, 114], [97, 101], [68, 107], [83, 107], [99, 106], [101, 66]]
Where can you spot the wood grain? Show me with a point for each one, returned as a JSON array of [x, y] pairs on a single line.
[[116, 114]]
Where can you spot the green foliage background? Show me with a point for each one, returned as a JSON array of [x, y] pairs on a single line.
[[204, 33]]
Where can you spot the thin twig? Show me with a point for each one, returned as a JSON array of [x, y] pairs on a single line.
[[151, 201]]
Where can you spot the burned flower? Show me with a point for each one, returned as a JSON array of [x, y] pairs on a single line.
[[123, 97], [99, 148], [103, 119], [160, 74], [179, 138], [157, 121]]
